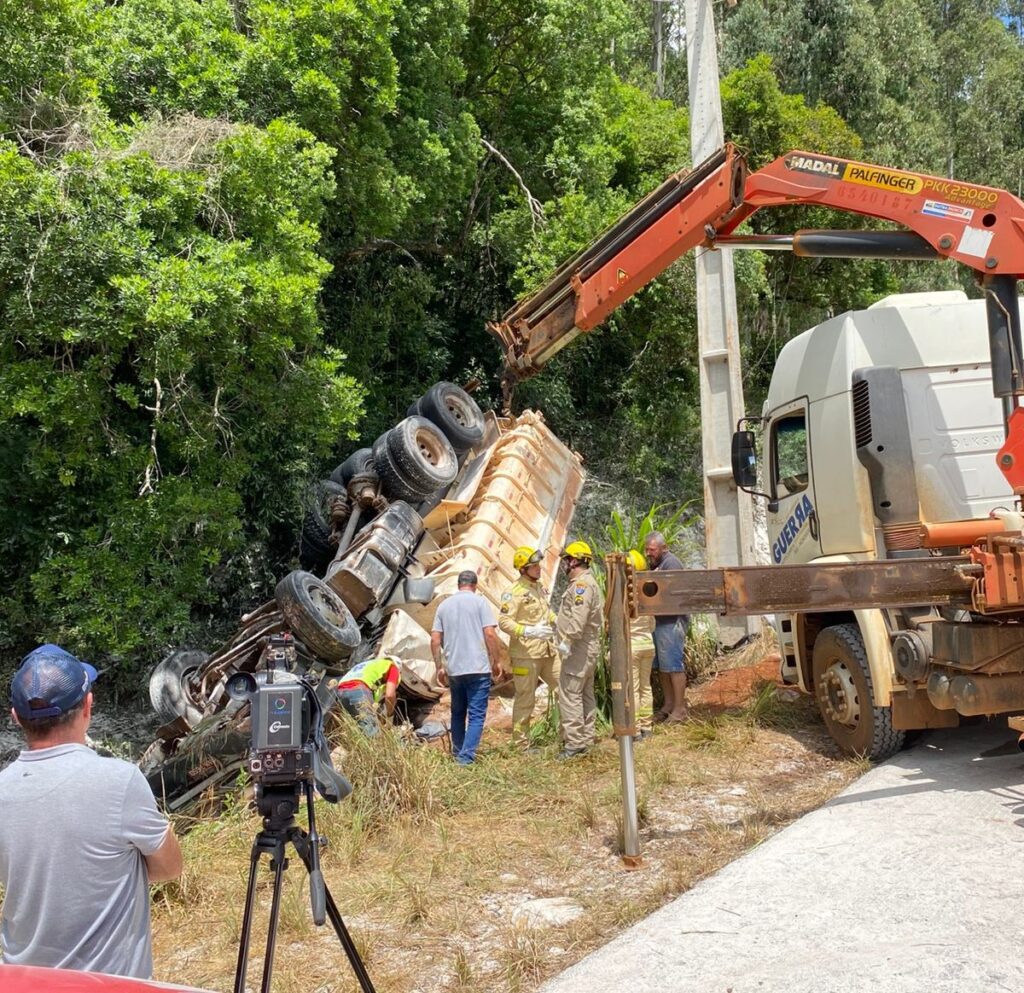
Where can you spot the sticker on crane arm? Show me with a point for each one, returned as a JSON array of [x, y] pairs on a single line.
[[792, 532], [975, 241], [815, 164], [857, 172], [951, 211], [883, 179]]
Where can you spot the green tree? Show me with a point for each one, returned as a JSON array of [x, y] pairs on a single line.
[[165, 364]]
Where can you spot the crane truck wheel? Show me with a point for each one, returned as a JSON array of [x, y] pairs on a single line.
[[456, 413], [422, 454], [168, 686], [844, 691], [317, 616]]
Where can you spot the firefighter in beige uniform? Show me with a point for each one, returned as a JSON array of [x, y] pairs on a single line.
[[529, 623], [579, 633]]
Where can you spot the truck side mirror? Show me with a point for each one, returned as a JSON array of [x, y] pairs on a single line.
[[744, 460]]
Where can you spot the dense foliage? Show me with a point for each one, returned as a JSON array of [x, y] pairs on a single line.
[[237, 236]]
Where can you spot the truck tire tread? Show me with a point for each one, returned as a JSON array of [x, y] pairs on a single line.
[[885, 740], [393, 483], [317, 616], [423, 472], [456, 413]]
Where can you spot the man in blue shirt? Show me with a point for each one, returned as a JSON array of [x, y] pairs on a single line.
[[467, 631], [669, 641]]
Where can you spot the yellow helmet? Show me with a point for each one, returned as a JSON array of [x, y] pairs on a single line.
[[525, 555], [636, 560], [577, 550]]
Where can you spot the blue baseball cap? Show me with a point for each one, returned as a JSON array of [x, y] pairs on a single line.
[[50, 682]]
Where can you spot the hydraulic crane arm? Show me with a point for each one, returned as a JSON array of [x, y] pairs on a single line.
[[978, 226], [640, 245]]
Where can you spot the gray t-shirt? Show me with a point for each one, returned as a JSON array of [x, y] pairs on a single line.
[[461, 619], [670, 561], [74, 828]]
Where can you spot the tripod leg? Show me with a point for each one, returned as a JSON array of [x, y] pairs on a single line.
[[300, 840], [280, 864], [317, 888], [348, 944], [250, 896]]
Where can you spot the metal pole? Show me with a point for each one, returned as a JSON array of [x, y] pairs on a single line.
[[620, 661], [728, 515]]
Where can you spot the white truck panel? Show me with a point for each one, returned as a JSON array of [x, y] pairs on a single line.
[[910, 335], [956, 427]]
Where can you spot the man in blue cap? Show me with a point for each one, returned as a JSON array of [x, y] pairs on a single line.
[[81, 838]]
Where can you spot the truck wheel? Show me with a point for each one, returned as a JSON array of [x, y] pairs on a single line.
[[414, 409], [358, 462], [313, 556], [315, 548], [169, 691], [392, 482], [317, 616], [844, 691], [422, 454], [456, 413]]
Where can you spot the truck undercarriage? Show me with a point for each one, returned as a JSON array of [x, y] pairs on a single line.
[[400, 522]]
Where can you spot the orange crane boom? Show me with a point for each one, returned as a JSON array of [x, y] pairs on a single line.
[[978, 226]]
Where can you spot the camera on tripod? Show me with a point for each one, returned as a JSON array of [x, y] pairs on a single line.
[[289, 755], [284, 716]]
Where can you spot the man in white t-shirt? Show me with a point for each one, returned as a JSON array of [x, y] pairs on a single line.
[[81, 838], [465, 627]]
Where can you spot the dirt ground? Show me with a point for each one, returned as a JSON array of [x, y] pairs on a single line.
[[497, 876]]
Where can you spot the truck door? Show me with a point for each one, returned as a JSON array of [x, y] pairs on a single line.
[[794, 533]]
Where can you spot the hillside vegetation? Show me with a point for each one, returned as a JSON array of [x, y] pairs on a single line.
[[239, 236]]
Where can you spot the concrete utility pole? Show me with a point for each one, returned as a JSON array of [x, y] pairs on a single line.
[[728, 517]]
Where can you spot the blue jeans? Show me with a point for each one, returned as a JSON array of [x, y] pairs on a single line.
[[469, 700], [358, 702], [670, 646]]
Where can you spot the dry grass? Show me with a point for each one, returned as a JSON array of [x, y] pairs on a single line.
[[427, 862]]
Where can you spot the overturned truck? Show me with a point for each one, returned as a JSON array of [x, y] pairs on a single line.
[[446, 489]]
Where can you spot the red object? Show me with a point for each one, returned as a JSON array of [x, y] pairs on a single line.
[[1010, 458], [670, 237], [29, 979]]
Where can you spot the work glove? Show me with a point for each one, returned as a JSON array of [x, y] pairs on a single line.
[[563, 649], [539, 631]]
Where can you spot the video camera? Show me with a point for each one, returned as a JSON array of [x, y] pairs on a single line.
[[288, 745]]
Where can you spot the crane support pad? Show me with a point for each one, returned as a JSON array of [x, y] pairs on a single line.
[[797, 588]]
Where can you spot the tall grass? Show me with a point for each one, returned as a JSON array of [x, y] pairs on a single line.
[[630, 530], [393, 779]]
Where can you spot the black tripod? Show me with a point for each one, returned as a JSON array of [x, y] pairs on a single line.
[[278, 804]]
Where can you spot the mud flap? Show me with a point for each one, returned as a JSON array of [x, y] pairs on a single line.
[[912, 713]]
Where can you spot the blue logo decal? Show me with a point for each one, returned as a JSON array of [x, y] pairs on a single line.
[[792, 528]]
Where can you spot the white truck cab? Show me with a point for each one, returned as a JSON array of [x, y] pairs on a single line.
[[877, 424]]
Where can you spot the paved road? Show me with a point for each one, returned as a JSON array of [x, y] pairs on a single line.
[[911, 881]]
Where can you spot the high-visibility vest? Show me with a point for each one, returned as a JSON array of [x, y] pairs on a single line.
[[372, 672]]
